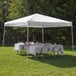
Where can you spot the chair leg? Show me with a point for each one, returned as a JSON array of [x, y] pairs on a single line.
[[17, 51], [53, 52], [62, 53], [58, 53]]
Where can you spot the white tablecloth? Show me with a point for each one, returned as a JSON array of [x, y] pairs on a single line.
[[19, 46], [34, 49], [57, 48], [39, 48]]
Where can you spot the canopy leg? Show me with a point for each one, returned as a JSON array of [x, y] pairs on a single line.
[[27, 41], [42, 34], [3, 37], [3, 42], [72, 38]]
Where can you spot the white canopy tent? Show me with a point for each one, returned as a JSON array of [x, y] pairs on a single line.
[[38, 21]]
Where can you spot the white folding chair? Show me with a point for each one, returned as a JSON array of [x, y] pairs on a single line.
[[59, 49], [18, 47], [45, 49], [31, 50]]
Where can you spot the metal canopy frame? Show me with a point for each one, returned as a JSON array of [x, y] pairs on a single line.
[[3, 43], [42, 38], [72, 38]]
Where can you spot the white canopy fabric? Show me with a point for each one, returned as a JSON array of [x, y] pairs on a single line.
[[39, 21]]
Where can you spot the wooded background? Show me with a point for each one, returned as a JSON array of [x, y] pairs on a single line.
[[13, 9]]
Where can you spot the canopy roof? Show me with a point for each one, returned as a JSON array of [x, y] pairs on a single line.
[[38, 20]]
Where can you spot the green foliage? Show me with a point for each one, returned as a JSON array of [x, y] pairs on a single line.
[[64, 9], [16, 9]]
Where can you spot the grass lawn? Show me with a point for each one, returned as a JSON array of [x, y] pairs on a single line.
[[12, 64]]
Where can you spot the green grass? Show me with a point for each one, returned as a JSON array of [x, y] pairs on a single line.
[[12, 64]]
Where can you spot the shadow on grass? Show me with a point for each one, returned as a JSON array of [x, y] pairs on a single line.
[[58, 61]]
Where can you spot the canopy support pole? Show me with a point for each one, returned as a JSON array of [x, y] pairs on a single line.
[[72, 38], [27, 41], [42, 34], [3, 36], [27, 34]]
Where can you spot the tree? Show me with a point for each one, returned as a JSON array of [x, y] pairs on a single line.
[[64, 9], [3, 14], [16, 9]]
